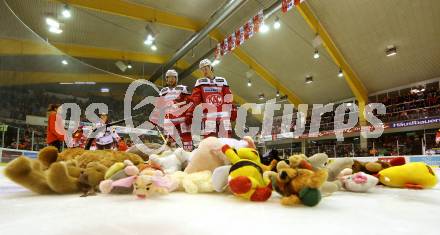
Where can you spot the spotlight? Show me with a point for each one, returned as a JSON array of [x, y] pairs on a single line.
[[391, 51], [64, 62], [349, 104], [316, 54], [249, 73], [153, 47], [309, 79], [150, 35], [129, 66], [249, 83], [54, 25], [85, 83], [52, 22], [278, 94], [261, 96], [277, 24], [105, 90], [66, 11], [215, 62], [55, 30], [149, 40], [264, 28], [340, 74]]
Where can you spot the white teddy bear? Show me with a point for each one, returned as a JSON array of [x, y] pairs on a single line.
[[172, 161], [199, 182]]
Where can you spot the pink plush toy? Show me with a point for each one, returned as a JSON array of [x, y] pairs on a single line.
[[152, 185], [119, 181]]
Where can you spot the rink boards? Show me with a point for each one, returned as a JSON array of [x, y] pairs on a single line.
[[7, 155]]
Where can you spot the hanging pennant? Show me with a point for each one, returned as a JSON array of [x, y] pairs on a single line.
[[257, 21], [231, 42], [286, 5], [222, 48], [217, 52], [239, 36], [225, 46], [248, 29]]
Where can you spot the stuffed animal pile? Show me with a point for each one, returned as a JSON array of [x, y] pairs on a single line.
[[221, 165], [298, 182]]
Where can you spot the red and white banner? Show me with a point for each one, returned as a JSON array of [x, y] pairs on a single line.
[[245, 32], [242, 34], [287, 5]]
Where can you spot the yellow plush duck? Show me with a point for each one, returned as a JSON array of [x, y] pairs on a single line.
[[246, 174], [414, 175]]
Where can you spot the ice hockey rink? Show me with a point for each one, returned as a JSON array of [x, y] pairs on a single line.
[[290, 59], [382, 211]]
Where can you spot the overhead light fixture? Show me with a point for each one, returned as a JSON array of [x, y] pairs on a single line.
[[215, 62], [121, 65], [249, 84], [55, 30], [391, 51], [264, 28], [129, 66], [151, 35], [54, 25], [153, 47], [85, 83], [105, 90], [349, 104], [340, 74], [66, 83], [52, 22], [66, 11], [277, 23], [278, 94], [249, 73], [309, 79], [149, 40], [64, 62], [261, 96], [316, 54]]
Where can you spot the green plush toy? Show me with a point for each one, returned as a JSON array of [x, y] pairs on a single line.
[[310, 196]]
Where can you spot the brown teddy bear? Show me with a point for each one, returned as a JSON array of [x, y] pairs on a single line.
[[70, 171], [373, 168], [298, 182]]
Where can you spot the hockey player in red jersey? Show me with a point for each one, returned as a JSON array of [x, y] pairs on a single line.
[[172, 100], [213, 90]]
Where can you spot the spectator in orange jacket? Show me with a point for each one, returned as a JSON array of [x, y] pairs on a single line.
[[53, 137], [122, 146]]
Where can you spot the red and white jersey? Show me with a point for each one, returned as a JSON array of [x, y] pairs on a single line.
[[216, 92], [171, 101]]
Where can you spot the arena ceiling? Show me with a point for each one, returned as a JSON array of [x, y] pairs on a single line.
[[99, 33]]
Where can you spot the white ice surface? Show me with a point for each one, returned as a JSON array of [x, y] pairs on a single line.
[[383, 211]]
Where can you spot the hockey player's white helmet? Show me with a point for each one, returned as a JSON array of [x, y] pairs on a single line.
[[204, 62], [172, 72]]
